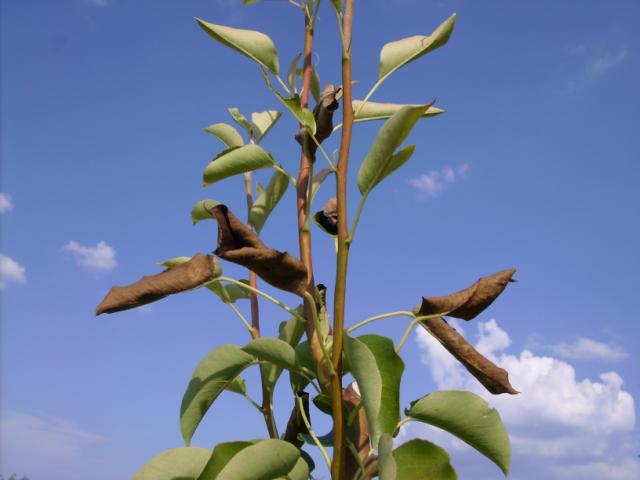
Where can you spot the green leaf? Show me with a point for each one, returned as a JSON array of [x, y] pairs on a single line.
[[290, 332], [272, 350], [396, 54], [422, 459], [263, 121], [200, 210], [214, 373], [303, 359], [226, 134], [222, 453], [249, 2], [178, 463], [300, 471], [337, 5], [303, 115], [255, 45], [315, 84], [241, 120], [268, 199], [172, 262], [468, 417], [382, 111], [238, 385], [239, 160], [386, 462], [380, 161], [263, 460], [230, 293], [377, 368], [292, 73], [317, 180]]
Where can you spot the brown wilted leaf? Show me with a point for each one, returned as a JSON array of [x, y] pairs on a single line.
[[468, 303], [361, 439], [327, 218], [185, 276], [323, 114], [494, 378], [239, 244]]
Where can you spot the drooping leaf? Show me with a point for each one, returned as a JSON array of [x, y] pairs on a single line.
[[230, 293], [237, 385], [382, 111], [396, 54], [226, 134], [377, 369], [222, 453], [263, 122], [315, 84], [317, 180], [200, 210], [494, 378], [327, 218], [255, 45], [211, 377], [323, 117], [470, 302], [380, 160], [386, 462], [290, 332], [239, 244], [185, 276], [292, 73], [273, 350], [239, 160], [184, 463], [422, 459], [468, 417], [303, 115], [268, 199], [263, 460]]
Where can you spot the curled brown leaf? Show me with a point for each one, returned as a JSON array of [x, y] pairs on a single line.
[[327, 218], [468, 303], [185, 276], [239, 244], [323, 114], [494, 378], [361, 439]]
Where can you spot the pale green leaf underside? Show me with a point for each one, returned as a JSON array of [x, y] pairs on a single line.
[[211, 377], [172, 262], [317, 180], [378, 370], [268, 199], [382, 111], [230, 293], [238, 385], [422, 459], [303, 115], [226, 134], [236, 161], [380, 160], [263, 122], [272, 350], [291, 332], [386, 461], [184, 463], [468, 417], [200, 211], [263, 460], [396, 54], [255, 45]]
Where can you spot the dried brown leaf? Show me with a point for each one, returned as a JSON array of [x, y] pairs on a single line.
[[361, 439], [494, 378], [323, 114], [185, 276], [468, 303], [327, 218], [239, 244]]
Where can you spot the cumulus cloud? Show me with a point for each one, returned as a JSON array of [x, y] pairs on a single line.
[[559, 419], [431, 184], [102, 257], [11, 272], [39, 441], [6, 202], [588, 349]]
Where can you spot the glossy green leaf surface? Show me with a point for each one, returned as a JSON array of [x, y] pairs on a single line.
[[267, 199], [239, 160], [226, 134], [255, 45], [418, 459], [377, 368], [386, 462], [272, 350], [212, 376], [178, 463], [380, 161], [200, 211], [263, 122], [382, 111], [468, 417], [396, 54], [264, 460]]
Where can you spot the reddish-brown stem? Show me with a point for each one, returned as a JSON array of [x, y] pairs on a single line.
[[337, 465]]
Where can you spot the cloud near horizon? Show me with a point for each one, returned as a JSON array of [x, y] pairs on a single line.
[[558, 424], [102, 257]]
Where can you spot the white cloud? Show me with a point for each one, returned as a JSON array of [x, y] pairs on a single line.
[[100, 257], [559, 419], [593, 63], [588, 349], [31, 441], [6, 203], [11, 272], [605, 61], [99, 3], [431, 184]]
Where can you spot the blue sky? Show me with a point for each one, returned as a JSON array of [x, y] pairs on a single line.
[[535, 165]]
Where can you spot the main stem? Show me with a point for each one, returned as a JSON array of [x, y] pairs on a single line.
[[267, 410], [302, 202], [337, 466]]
